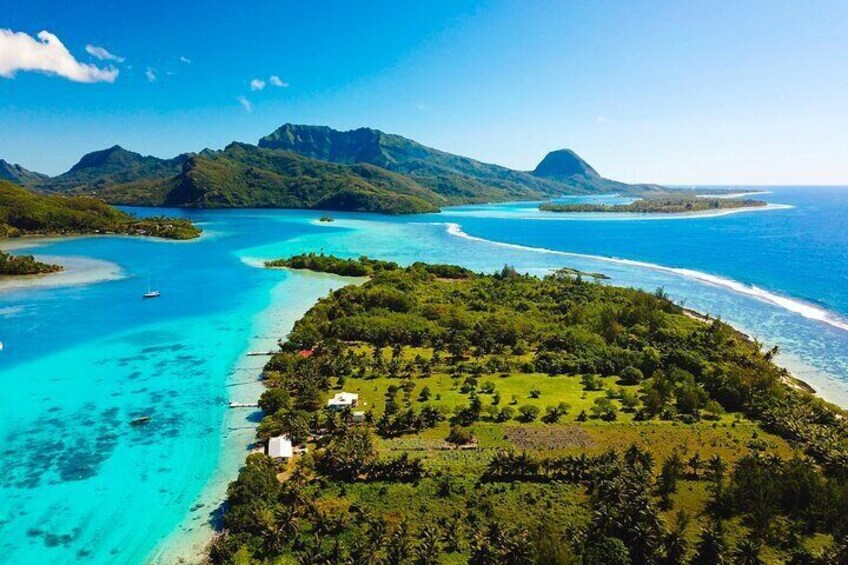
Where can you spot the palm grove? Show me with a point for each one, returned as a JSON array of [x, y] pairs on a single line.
[[513, 419]]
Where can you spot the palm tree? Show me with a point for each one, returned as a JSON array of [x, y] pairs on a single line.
[[398, 548], [771, 353], [428, 548], [274, 537], [695, 463], [717, 468], [517, 549], [675, 543], [747, 552], [711, 547], [310, 554]]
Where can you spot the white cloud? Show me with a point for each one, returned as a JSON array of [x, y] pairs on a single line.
[[602, 119], [185, 60], [150, 74], [21, 52], [275, 80], [257, 84], [245, 103], [102, 54]]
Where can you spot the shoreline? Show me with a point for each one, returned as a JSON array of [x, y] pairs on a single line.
[[189, 541]]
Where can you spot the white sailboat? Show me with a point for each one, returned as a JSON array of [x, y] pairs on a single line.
[[150, 293]]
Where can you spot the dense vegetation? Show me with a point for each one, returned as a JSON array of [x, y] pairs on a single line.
[[25, 213], [511, 419], [362, 267], [24, 265], [666, 204]]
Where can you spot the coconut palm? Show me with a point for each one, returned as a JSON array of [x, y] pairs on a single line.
[[711, 548], [428, 549], [695, 464], [747, 552]]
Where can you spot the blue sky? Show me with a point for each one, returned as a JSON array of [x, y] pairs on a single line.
[[674, 92]]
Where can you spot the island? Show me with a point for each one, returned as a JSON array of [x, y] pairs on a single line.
[[25, 213], [24, 265], [665, 204], [436, 415]]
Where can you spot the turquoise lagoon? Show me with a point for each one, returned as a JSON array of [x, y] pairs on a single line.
[[85, 355]]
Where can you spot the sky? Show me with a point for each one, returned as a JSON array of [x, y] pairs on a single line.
[[688, 92]]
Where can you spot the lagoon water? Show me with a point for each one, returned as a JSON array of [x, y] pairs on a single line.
[[84, 354]]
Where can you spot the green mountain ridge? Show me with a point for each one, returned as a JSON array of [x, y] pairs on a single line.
[[111, 166], [459, 178], [244, 175], [317, 167]]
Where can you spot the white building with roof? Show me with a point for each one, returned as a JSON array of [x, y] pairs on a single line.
[[343, 400], [280, 447]]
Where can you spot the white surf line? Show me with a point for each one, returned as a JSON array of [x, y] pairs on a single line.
[[796, 306], [735, 194]]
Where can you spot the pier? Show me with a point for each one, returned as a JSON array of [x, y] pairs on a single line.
[[244, 405], [258, 353]]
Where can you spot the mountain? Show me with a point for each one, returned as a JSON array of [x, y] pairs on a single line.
[[24, 212], [459, 179], [317, 167], [566, 167], [563, 164], [111, 166], [245, 175], [17, 174]]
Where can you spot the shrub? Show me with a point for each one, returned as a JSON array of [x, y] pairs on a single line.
[[528, 413], [631, 375], [460, 436]]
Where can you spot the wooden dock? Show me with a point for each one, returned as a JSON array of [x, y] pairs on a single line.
[[258, 353], [244, 405]]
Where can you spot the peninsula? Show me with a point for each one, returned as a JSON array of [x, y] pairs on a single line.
[[23, 212], [435, 415]]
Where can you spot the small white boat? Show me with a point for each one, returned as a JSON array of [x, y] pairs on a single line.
[[150, 293], [2, 347]]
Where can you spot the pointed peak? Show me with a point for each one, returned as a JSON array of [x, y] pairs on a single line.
[[562, 164]]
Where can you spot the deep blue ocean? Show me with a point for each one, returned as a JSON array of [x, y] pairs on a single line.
[[84, 354]]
